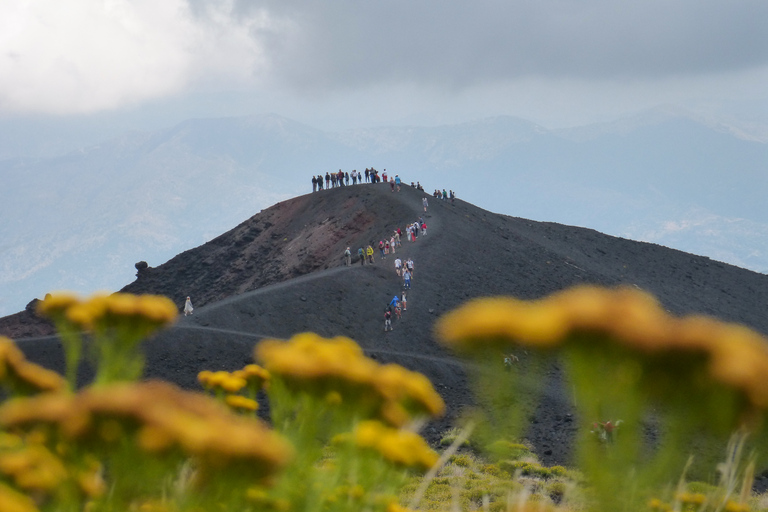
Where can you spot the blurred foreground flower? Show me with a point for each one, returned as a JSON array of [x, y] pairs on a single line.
[[117, 322], [400, 447], [20, 376], [338, 368], [624, 317], [625, 357]]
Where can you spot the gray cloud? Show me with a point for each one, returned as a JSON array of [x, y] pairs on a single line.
[[346, 43]]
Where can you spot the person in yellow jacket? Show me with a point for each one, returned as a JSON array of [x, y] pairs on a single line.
[[369, 252]]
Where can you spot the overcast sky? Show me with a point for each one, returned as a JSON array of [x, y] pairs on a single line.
[[349, 63]]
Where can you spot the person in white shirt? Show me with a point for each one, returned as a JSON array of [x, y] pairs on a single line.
[[188, 307]]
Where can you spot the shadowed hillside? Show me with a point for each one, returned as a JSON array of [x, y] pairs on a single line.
[[281, 272]]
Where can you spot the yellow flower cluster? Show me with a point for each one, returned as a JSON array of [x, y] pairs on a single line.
[[736, 356], [256, 376], [221, 380], [338, 366], [21, 375], [242, 403], [149, 310], [163, 417], [692, 498], [252, 376], [400, 447]]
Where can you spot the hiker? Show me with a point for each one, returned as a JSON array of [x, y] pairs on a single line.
[[327, 180], [354, 176], [314, 183], [424, 203], [348, 257], [319, 182], [445, 195], [397, 237], [369, 253], [384, 176], [398, 266], [386, 246], [387, 320], [406, 279], [453, 196], [409, 266], [367, 176], [346, 178], [423, 228], [393, 303], [397, 182], [188, 307], [361, 255], [333, 180], [392, 244], [404, 302], [392, 184]]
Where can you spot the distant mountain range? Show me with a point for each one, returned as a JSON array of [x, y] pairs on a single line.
[[81, 220]]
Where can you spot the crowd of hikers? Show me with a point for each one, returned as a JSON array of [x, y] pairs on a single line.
[[342, 179], [389, 246]]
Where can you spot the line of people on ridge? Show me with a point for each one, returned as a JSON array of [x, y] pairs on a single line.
[[444, 195], [341, 179], [403, 269]]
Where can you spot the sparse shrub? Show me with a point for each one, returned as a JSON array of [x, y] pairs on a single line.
[[462, 460], [505, 450], [556, 490], [450, 436]]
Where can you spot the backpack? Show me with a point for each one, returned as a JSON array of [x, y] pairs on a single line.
[[347, 253]]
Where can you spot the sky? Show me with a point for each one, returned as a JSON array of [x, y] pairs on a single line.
[[343, 63]]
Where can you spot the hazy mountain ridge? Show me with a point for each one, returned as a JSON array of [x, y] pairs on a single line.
[[81, 220]]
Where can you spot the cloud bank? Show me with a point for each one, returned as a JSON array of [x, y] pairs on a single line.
[[85, 56]]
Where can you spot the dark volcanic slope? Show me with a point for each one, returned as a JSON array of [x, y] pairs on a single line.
[[467, 252]]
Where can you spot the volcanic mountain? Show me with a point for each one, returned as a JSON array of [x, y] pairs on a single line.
[[281, 272]]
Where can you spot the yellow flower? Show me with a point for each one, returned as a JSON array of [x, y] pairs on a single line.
[[162, 416], [414, 390], [256, 376], [732, 506], [241, 403], [625, 317], [400, 447], [203, 377], [233, 384], [395, 507], [308, 356], [56, 303], [338, 365], [16, 371], [153, 310], [490, 321], [692, 498]]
